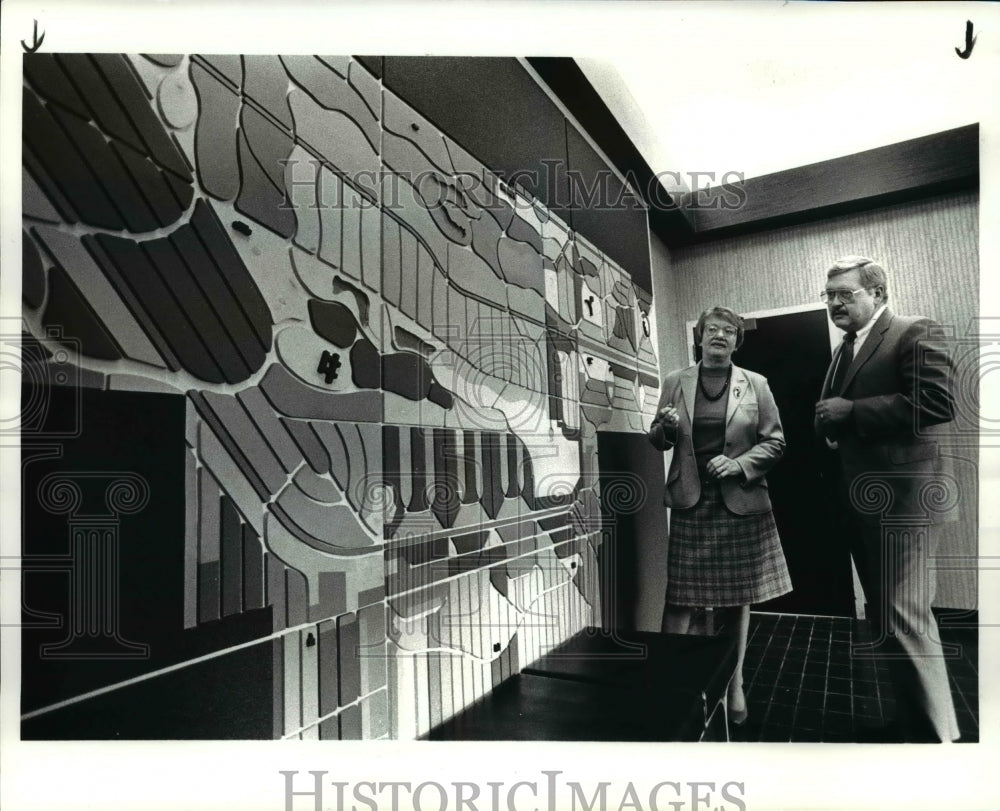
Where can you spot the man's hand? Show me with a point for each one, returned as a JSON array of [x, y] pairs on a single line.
[[722, 467], [833, 411]]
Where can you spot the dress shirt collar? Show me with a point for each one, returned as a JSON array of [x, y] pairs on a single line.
[[867, 328]]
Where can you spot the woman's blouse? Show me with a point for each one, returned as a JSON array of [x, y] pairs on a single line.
[[708, 429]]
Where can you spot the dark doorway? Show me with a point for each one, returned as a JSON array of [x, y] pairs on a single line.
[[793, 351], [633, 562]]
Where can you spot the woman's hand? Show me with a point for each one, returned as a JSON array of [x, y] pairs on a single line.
[[667, 415], [663, 432], [722, 467]]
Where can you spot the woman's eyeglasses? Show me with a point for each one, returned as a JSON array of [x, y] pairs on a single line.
[[711, 329]]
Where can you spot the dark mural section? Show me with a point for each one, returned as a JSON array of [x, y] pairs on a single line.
[[523, 136], [606, 211], [520, 134], [311, 423], [100, 614], [632, 481]]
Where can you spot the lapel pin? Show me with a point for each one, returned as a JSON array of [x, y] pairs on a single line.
[[736, 392]]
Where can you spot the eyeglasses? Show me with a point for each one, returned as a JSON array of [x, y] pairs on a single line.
[[711, 329], [844, 296]]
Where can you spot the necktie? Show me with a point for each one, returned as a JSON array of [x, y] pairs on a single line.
[[843, 363]]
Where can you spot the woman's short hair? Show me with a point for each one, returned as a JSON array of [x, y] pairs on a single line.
[[723, 313]]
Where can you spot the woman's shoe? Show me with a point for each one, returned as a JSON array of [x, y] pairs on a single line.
[[737, 717]]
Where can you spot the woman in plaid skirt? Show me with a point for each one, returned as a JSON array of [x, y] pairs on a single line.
[[723, 425]]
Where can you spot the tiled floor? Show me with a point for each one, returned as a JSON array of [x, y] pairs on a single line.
[[803, 685]]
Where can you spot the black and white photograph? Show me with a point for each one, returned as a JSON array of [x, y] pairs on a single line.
[[524, 405]]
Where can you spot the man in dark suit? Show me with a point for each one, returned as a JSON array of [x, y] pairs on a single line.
[[886, 394]]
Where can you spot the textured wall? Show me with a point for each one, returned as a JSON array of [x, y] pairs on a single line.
[[930, 250], [385, 374]]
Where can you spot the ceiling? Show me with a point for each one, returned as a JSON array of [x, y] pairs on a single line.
[[758, 88]]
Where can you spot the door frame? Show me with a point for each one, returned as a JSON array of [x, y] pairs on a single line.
[[835, 338], [834, 332]]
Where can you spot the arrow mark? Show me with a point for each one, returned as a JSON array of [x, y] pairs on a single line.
[[36, 41], [970, 41]]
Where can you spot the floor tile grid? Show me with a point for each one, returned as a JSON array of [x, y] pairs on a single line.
[[789, 687], [963, 674], [811, 709], [791, 678], [804, 681], [839, 713], [771, 691], [875, 682], [967, 723]]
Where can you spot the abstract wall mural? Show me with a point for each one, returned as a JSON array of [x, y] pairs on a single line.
[[311, 402]]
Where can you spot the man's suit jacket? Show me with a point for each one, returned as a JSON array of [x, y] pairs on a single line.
[[754, 439], [901, 387]]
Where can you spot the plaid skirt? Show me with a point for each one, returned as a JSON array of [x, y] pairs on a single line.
[[717, 558]]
